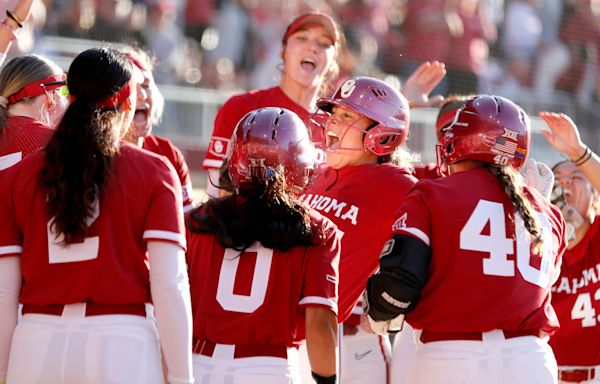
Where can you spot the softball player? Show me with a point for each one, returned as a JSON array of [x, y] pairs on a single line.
[[310, 47], [575, 293], [32, 101], [367, 121], [149, 109], [92, 233], [263, 267], [472, 267]]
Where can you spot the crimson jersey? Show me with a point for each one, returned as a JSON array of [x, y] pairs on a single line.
[[576, 299], [360, 200], [426, 171], [237, 107], [22, 136], [141, 202], [475, 282], [257, 296], [163, 146]]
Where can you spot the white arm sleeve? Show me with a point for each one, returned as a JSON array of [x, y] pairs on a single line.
[[212, 183], [10, 287], [170, 290]]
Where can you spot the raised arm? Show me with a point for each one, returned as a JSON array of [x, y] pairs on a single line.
[[563, 136], [10, 25]]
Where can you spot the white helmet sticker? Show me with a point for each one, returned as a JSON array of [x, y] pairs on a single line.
[[347, 88]]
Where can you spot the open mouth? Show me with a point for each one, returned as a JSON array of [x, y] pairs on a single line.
[[308, 64], [141, 118], [332, 140]]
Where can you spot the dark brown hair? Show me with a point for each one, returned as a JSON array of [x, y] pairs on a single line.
[[80, 153], [263, 211]]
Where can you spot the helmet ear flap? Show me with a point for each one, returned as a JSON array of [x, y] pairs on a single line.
[[380, 140]]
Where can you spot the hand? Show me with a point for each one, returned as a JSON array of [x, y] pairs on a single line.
[[387, 326], [563, 135], [419, 85], [538, 176]]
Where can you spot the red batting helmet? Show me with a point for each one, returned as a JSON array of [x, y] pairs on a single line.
[[379, 102], [267, 138], [491, 129]]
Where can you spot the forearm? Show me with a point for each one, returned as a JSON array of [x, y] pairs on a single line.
[[321, 340], [171, 296], [10, 286], [21, 12], [590, 167]]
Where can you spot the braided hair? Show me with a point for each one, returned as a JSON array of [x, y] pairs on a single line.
[[513, 187]]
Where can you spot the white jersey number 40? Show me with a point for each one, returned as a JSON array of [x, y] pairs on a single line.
[[499, 246]]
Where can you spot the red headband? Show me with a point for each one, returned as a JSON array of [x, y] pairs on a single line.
[[138, 63], [116, 99], [39, 87]]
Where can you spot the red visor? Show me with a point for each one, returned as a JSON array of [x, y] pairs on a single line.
[[39, 87]]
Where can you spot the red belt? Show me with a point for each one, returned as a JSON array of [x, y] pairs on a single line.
[[91, 309], [431, 336], [576, 375], [207, 348]]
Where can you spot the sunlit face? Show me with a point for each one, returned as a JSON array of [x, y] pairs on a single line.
[[344, 139], [577, 189], [128, 107], [60, 99], [308, 55], [144, 106]]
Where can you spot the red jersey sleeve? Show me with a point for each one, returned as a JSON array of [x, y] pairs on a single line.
[[161, 224], [413, 216], [321, 276], [225, 122]]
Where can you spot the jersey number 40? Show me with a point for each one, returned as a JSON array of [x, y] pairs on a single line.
[[499, 246]]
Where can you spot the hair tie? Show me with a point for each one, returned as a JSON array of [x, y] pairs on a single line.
[[3, 102]]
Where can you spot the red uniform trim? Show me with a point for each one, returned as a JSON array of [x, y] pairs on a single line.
[[91, 309], [576, 375], [207, 348], [431, 336]]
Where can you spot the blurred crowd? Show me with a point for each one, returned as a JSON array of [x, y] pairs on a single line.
[[542, 50]]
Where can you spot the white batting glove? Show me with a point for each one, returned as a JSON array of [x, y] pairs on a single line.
[[539, 176], [387, 326]]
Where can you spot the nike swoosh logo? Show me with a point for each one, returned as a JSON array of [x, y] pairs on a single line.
[[360, 356]]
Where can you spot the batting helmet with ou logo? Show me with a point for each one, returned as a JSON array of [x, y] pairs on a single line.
[[491, 129], [268, 140], [378, 101]]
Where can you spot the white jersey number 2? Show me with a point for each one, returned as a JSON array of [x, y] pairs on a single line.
[[260, 279], [499, 246], [88, 250]]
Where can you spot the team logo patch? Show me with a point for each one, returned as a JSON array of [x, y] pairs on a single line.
[[387, 248], [400, 223], [218, 146], [509, 134], [347, 88]]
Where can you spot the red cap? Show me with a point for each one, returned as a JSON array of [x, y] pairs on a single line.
[[313, 18]]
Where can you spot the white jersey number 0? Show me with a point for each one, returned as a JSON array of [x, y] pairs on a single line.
[[260, 279], [499, 246]]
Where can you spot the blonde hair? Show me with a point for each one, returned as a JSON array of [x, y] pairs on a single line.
[[18, 73]]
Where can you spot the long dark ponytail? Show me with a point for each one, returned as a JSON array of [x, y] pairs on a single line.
[[80, 153]]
